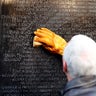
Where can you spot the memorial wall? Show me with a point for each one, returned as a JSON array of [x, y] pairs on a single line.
[[28, 71]]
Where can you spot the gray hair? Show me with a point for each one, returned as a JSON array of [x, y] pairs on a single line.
[[80, 56]]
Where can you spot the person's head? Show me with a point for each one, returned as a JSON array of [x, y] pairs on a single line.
[[79, 57]]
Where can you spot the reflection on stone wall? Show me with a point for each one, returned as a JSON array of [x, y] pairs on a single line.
[[28, 71]]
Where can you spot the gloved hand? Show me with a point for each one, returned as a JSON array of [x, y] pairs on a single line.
[[49, 40]]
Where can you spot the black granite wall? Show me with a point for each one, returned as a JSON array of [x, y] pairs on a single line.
[[28, 71]]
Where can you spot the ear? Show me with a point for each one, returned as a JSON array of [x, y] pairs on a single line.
[[64, 66]]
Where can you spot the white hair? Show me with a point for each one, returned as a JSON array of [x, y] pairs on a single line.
[[80, 56]]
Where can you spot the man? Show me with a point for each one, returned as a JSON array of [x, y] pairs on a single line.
[[79, 61], [79, 64]]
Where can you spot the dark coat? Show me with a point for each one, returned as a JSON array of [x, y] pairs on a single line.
[[82, 86]]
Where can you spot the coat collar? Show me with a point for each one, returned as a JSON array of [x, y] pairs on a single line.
[[82, 81]]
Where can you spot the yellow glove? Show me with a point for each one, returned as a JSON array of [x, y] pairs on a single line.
[[49, 40]]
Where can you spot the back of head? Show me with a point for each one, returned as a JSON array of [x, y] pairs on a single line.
[[80, 56]]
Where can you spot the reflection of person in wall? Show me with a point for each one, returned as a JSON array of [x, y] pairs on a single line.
[[79, 61]]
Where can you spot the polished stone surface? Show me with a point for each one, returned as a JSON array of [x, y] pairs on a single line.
[[28, 71]]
